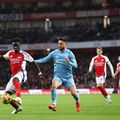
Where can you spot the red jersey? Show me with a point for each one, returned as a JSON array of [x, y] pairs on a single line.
[[118, 68], [18, 60], [100, 65]]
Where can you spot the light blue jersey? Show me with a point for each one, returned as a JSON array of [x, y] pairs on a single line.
[[62, 70]]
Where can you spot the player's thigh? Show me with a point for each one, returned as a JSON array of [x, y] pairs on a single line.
[[70, 85], [56, 82], [19, 76], [100, 80], [10, 86]]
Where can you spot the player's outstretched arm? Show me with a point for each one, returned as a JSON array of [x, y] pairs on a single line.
[[41, 77], [38, 68], [45, 59], [30, 59]]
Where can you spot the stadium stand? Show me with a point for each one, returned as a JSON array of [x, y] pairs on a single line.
[[76, 33]]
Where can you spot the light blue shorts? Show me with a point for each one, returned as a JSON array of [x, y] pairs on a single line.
[[64, 81]]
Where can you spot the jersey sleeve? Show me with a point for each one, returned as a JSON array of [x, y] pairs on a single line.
[[45, 59], [73, 61], [110, 65], [118, 66], [91, 65], [28, 57], [6, 56]]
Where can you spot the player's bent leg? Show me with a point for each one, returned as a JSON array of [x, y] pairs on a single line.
[[54, 94], [17, 87], [104, 93], [76, 97], [12, 103], [18, 100], [102, 89], [6, 99], [15, 111]]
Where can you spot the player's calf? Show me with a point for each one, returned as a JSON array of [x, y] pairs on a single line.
[[18, 100], [19, 109]]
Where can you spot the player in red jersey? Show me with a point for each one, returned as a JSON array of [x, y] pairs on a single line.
[[18, 59], [117, 73], [99, 62]]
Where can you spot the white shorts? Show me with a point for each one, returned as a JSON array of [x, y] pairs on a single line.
[[22, 76], [100, 80]]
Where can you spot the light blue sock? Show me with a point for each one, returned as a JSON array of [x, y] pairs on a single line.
[[54, 96]]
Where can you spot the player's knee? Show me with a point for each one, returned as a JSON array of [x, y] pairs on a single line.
[[15, 79], [54, 86]]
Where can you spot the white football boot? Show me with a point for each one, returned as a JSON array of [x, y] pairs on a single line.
[[15, 111], [108, 100]]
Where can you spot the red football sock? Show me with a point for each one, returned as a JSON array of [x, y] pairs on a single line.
[[103, 91], [14, 104], [17, 88]]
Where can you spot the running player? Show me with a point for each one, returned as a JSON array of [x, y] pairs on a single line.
[[64, 60], [117, 73], [17, 58], [99, 62]]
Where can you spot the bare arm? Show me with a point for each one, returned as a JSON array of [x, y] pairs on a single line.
[[38, 68], [91, 65], [39, 72], [110, 66], [117, 71]]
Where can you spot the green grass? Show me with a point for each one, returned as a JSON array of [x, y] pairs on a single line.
[[93, 107]]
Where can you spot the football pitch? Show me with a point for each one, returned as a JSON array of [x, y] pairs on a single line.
[[93, 107]]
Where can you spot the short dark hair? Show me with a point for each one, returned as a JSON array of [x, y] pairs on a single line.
[[100, 48], [63, 39], [16, 39]]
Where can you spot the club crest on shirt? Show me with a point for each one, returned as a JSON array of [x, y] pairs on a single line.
[[11, 56], [19, 57], [95, 60]]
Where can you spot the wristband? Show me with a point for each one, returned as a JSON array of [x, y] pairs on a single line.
[[40, 73]]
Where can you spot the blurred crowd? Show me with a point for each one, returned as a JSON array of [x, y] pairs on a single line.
[[58, 6], [75, 33], [81, 76]]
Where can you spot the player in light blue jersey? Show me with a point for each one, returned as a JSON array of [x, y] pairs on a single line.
[[64, 60]]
